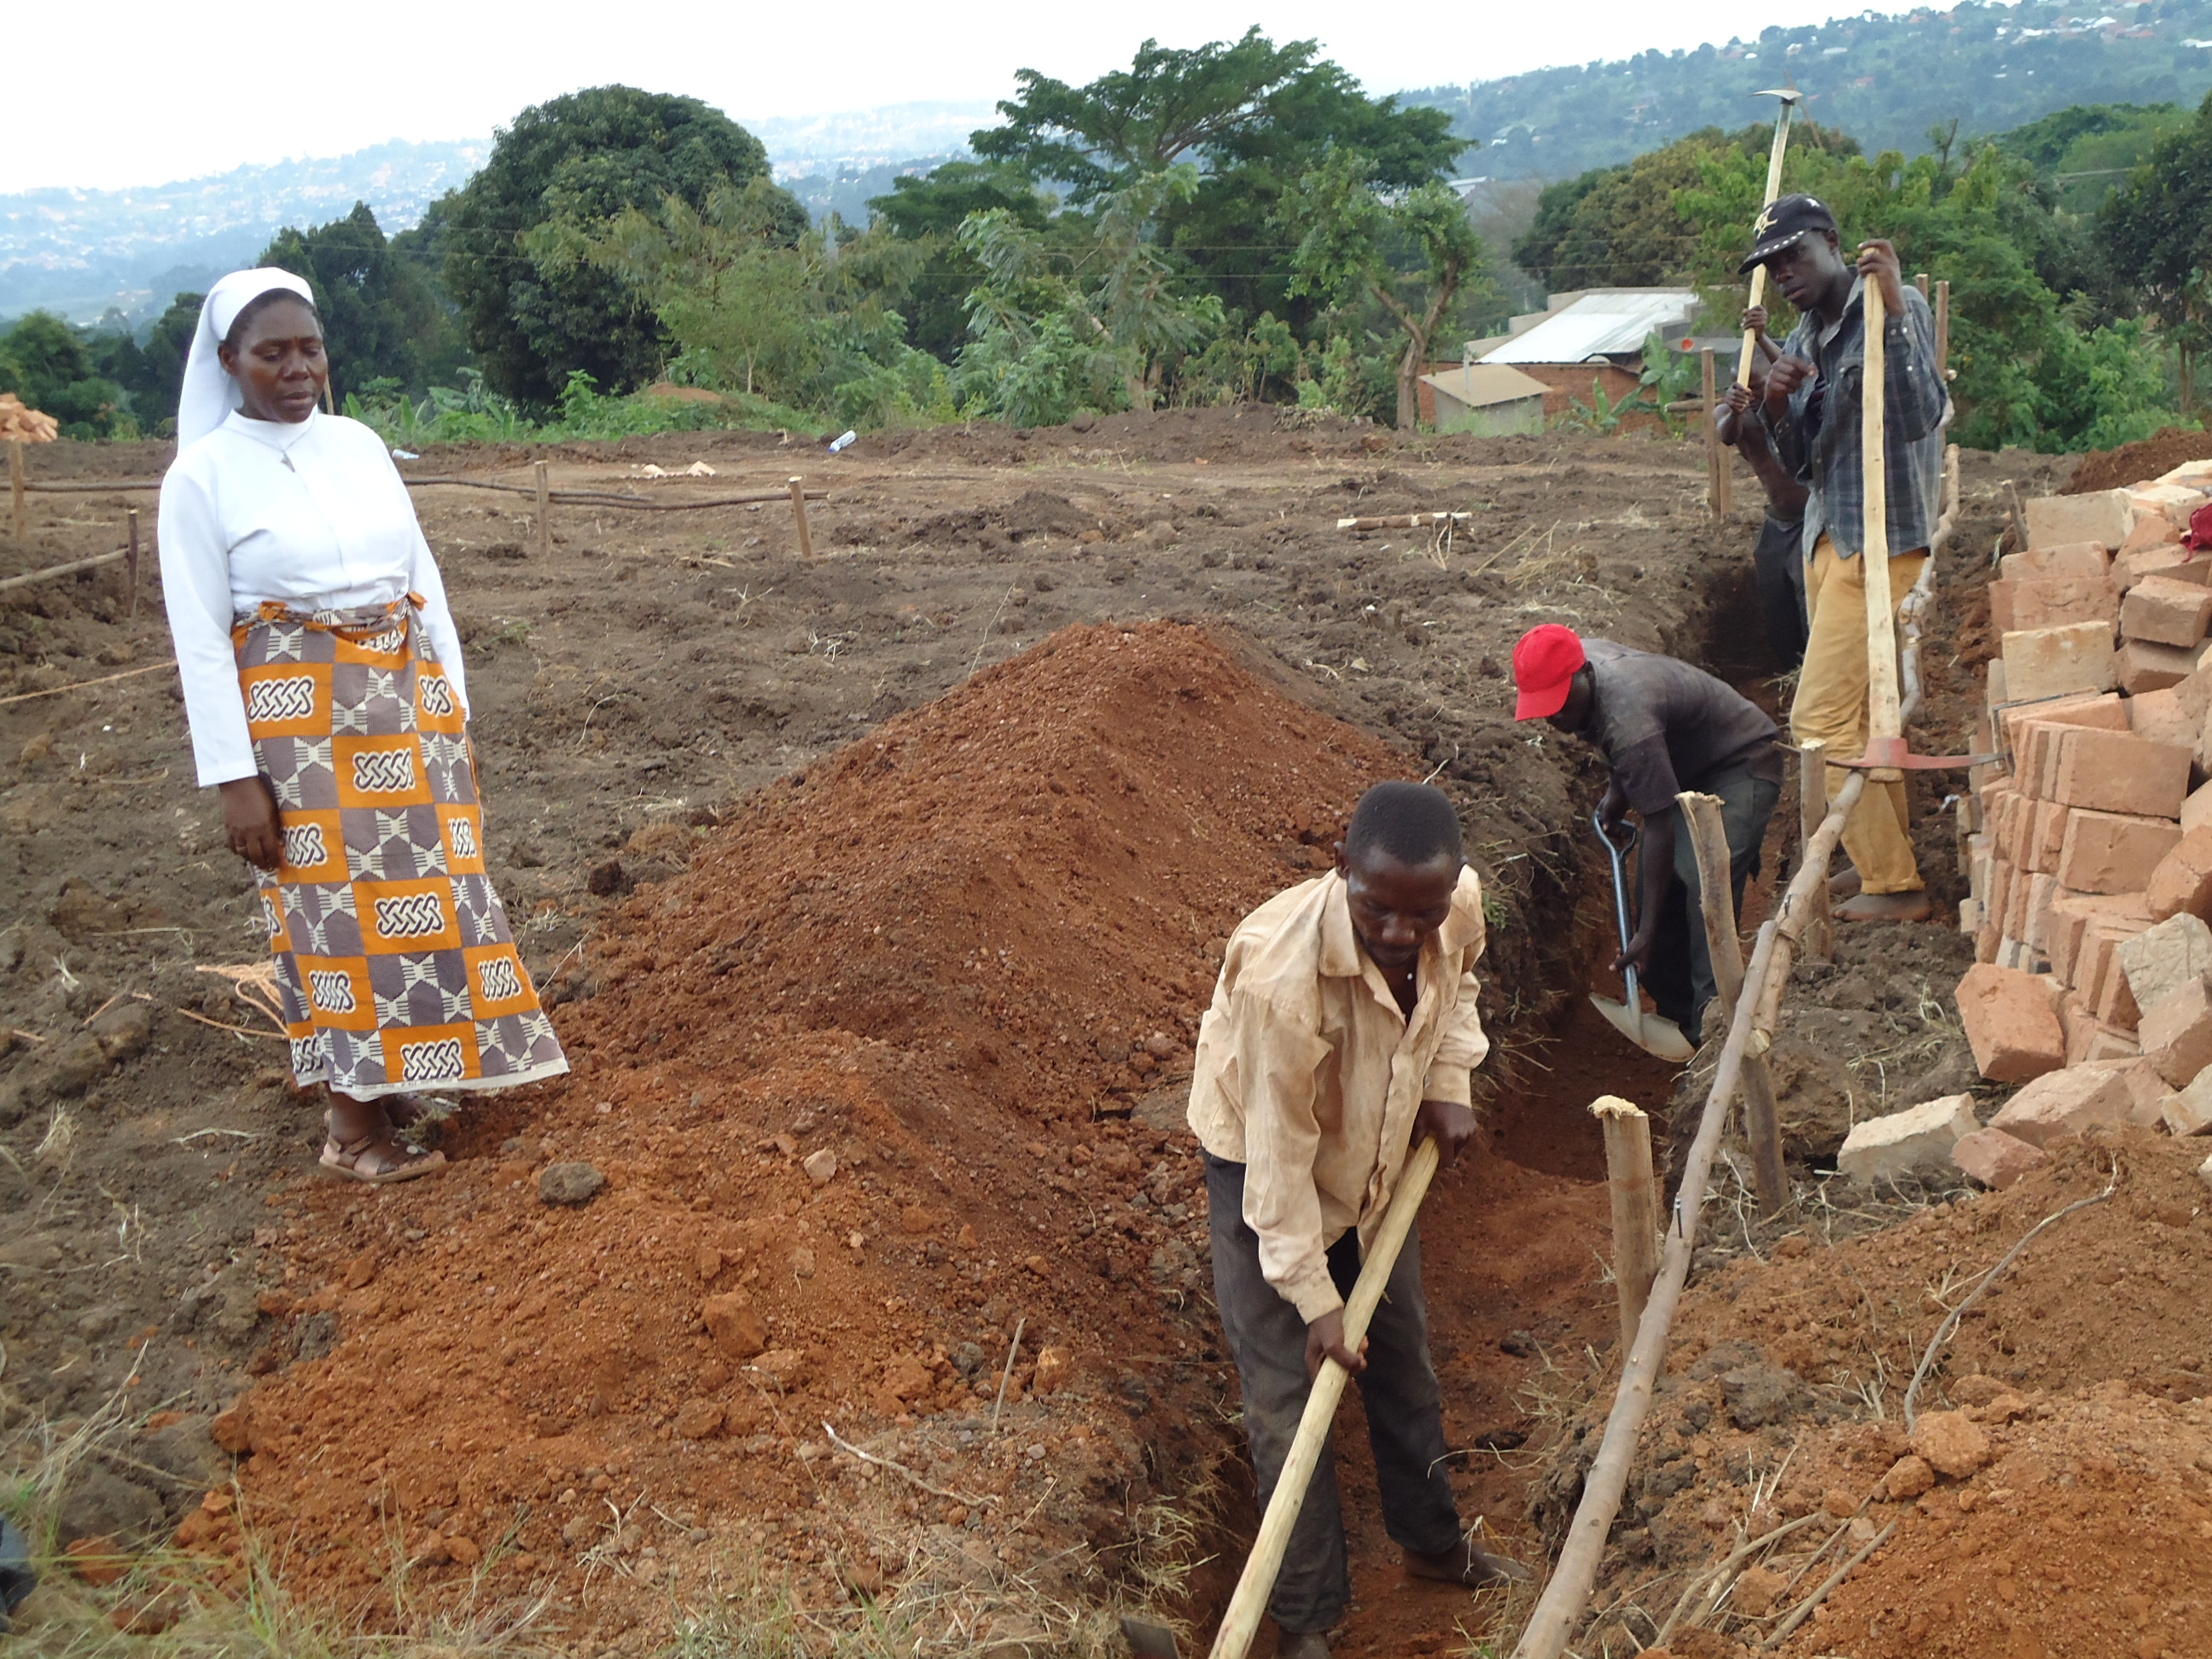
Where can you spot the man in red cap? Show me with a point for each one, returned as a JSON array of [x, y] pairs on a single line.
[[1664, 727]]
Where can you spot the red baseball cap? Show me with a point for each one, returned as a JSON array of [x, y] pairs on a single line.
[[1544, 666]]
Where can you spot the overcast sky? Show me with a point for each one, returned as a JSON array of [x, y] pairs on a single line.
[[137, 93]]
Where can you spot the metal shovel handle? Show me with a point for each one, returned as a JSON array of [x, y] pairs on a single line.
[[1619, 854]]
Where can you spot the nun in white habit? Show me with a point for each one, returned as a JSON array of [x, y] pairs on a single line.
[[323, 683]]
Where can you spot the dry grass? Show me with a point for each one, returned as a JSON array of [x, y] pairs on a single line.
[[939, 1598]]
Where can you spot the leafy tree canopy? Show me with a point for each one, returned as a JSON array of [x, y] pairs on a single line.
[[49, 365], [2160, 223], [533, 312], [375, 305]]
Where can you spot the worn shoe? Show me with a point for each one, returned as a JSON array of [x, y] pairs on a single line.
[[1303, 1644], [1469, 1565]]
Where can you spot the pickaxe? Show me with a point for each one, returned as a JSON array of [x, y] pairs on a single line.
[[1789, 96]]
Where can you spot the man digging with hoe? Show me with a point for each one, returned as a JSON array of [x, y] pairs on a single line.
[[1342, 1033], [1810, 406]]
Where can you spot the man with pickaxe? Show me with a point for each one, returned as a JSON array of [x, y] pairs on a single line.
[[1810, 408], [1341, 1036]]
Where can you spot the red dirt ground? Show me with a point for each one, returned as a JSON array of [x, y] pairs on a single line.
[[2087, 1366], [941, 955]]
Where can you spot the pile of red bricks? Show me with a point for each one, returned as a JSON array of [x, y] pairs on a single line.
[[2089, 841]]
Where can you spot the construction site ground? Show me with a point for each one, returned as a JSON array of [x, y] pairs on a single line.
[[919, 853]]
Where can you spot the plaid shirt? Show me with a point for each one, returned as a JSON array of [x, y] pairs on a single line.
[[1820, 440]]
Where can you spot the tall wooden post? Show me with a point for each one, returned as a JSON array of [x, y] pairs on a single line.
[[1714, 461], [545, 513], [22, 525], [1635, 1208], [1885, 717], [132, 515], [798, 517], [1818, 939], [1920, 282], [1943, 328], [1701, 817]]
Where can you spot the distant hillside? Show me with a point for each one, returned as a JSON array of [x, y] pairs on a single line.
[[1884, 80], [80, 252]]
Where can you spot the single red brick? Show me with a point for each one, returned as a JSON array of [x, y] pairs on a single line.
[[2053, 602], [2147, 665], [2163, 610], [1994, 1157], [2176, 1033], [2010, 1023], [2113, 851], [2164, 716], [2064, 1103], [2182, 879], [2068, 559], [2119, 772]]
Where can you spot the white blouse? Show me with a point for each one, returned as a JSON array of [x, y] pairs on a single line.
[[314, 514]]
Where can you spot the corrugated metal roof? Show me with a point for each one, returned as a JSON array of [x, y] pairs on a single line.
[[1609, 322]]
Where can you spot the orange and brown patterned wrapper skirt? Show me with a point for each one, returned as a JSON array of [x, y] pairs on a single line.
[[396, 964]]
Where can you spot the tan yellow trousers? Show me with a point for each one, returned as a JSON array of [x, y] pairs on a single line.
[[1831, 707]]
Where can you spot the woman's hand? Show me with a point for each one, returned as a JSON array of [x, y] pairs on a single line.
[[250, 823]]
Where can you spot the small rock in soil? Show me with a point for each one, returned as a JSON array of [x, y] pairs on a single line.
[[570, 1184], [1952, 1444], [820, 1166]]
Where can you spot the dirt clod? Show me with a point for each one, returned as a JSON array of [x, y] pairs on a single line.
[[570, 1184]]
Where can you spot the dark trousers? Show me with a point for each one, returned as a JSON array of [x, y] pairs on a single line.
[[1778, 565], [1681, 979], [1405, 1407]]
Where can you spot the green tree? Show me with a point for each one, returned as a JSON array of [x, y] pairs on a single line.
[[47, 364], [928, 213], [441, 346], [1251, 116], [534, 311], [161, 370], [1408, 253], [1056, 331], [376, 307], [2159, 228]]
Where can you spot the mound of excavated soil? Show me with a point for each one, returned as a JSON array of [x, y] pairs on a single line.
[[938, 957], [2077, 1528], [2130, 464]]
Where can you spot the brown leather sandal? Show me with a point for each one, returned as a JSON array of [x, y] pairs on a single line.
[[377, 1160]]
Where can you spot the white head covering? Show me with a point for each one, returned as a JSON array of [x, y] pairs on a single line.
[[209, 393]]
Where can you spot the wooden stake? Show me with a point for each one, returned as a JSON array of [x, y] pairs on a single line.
[[16, 486], [1944, 330], [1884, 720], [1812, 810], [1257, 1582], [798, 517], [1920, 282], [545, 513], [1714, 462], [1635, 1208], [1708, 834], [131, 514]]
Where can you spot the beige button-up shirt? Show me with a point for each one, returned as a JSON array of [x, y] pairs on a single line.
[[1308, 1075]]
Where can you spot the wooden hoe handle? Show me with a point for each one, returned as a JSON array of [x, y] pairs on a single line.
[[1242, 1620]]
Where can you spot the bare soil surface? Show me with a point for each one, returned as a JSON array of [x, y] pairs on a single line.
[[713, 769]]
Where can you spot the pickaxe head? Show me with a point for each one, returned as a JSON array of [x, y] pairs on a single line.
[[1787, 94]]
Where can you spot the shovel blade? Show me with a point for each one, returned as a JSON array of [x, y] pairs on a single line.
[[1655, 1035], [1149, 1641]]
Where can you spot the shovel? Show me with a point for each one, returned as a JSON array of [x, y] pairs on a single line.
[[1655, 1035]]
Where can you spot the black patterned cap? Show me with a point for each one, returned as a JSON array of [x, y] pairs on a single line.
[[1781, 223]]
